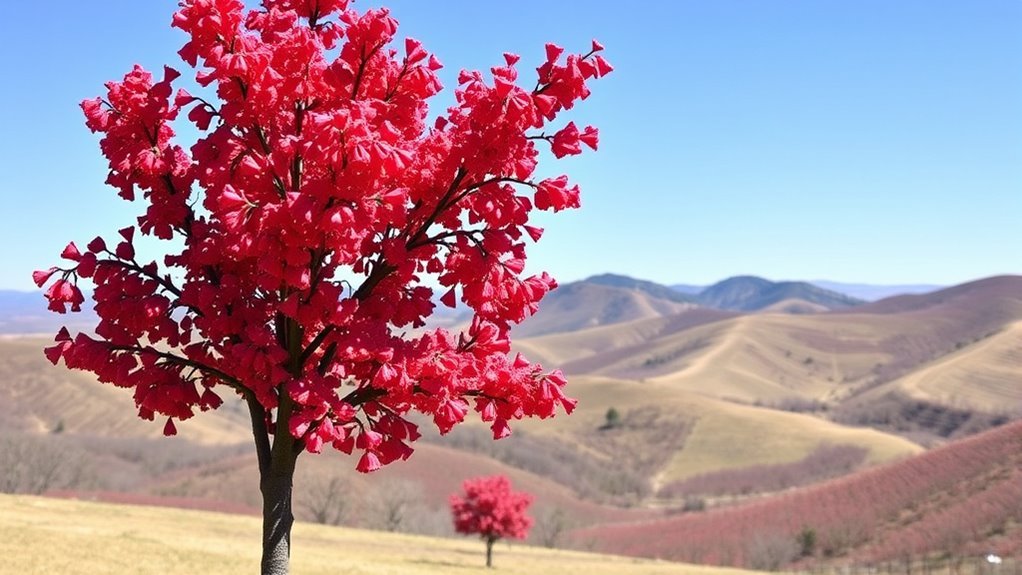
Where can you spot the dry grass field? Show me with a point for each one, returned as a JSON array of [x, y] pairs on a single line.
[[43, 536]]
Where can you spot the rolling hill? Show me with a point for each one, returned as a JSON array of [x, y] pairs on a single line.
[[586, 304], [672, 434], [862, 291], [950, 342], [982, 375], [651, 288]]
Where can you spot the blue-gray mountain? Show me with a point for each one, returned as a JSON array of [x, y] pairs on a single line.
[[610, 298], [750, 293], [740, 293]]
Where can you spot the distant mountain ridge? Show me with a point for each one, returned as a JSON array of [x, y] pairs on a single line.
[[739, 293], [868, 292], [874, 292], [613, 298], [651, 288], [24, 312], [751, 293]]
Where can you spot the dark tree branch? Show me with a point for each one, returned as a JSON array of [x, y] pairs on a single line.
[[133, 266], [362, 68], [362, 395], [262, 437], [442, 205], [184, 362]]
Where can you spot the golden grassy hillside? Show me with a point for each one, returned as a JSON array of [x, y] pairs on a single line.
[[44, 536], [586, 350], [986, 375], [719, 434]]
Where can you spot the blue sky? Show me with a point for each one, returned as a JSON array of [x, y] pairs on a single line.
[[863, 141]]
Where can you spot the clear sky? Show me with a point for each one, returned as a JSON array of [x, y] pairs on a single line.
[[871, 141]]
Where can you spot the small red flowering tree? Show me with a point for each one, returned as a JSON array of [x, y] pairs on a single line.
[[491, 510], [305, 227]]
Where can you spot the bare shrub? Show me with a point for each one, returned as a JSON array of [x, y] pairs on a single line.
[[127, 463], [326, 500], [550, 526], [693, 504], [796, 405], [398, 505], [392, 505], [769, 552], [902, 414], [432, 521], [33, 464]]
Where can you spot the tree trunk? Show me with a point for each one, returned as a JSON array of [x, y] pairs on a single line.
[[277, 521], [489, 551], [276, 480]]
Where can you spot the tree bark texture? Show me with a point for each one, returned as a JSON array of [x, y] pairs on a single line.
[[277, 522], [276, 482]]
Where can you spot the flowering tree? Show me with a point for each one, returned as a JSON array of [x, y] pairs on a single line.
[[491, 510], [304, 228]]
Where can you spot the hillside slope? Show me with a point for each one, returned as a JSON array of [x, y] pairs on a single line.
[[985, 375], [610, 299], [669, 434], [961, 499], [586, 304]]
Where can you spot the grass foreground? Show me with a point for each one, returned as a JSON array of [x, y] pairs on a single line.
[[42, 535]]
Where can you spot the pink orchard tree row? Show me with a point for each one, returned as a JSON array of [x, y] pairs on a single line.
[[962, 493]]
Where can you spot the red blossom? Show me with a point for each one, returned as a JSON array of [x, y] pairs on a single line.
[[62, 293], [71, 252], [555, 194], [40, 277]]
